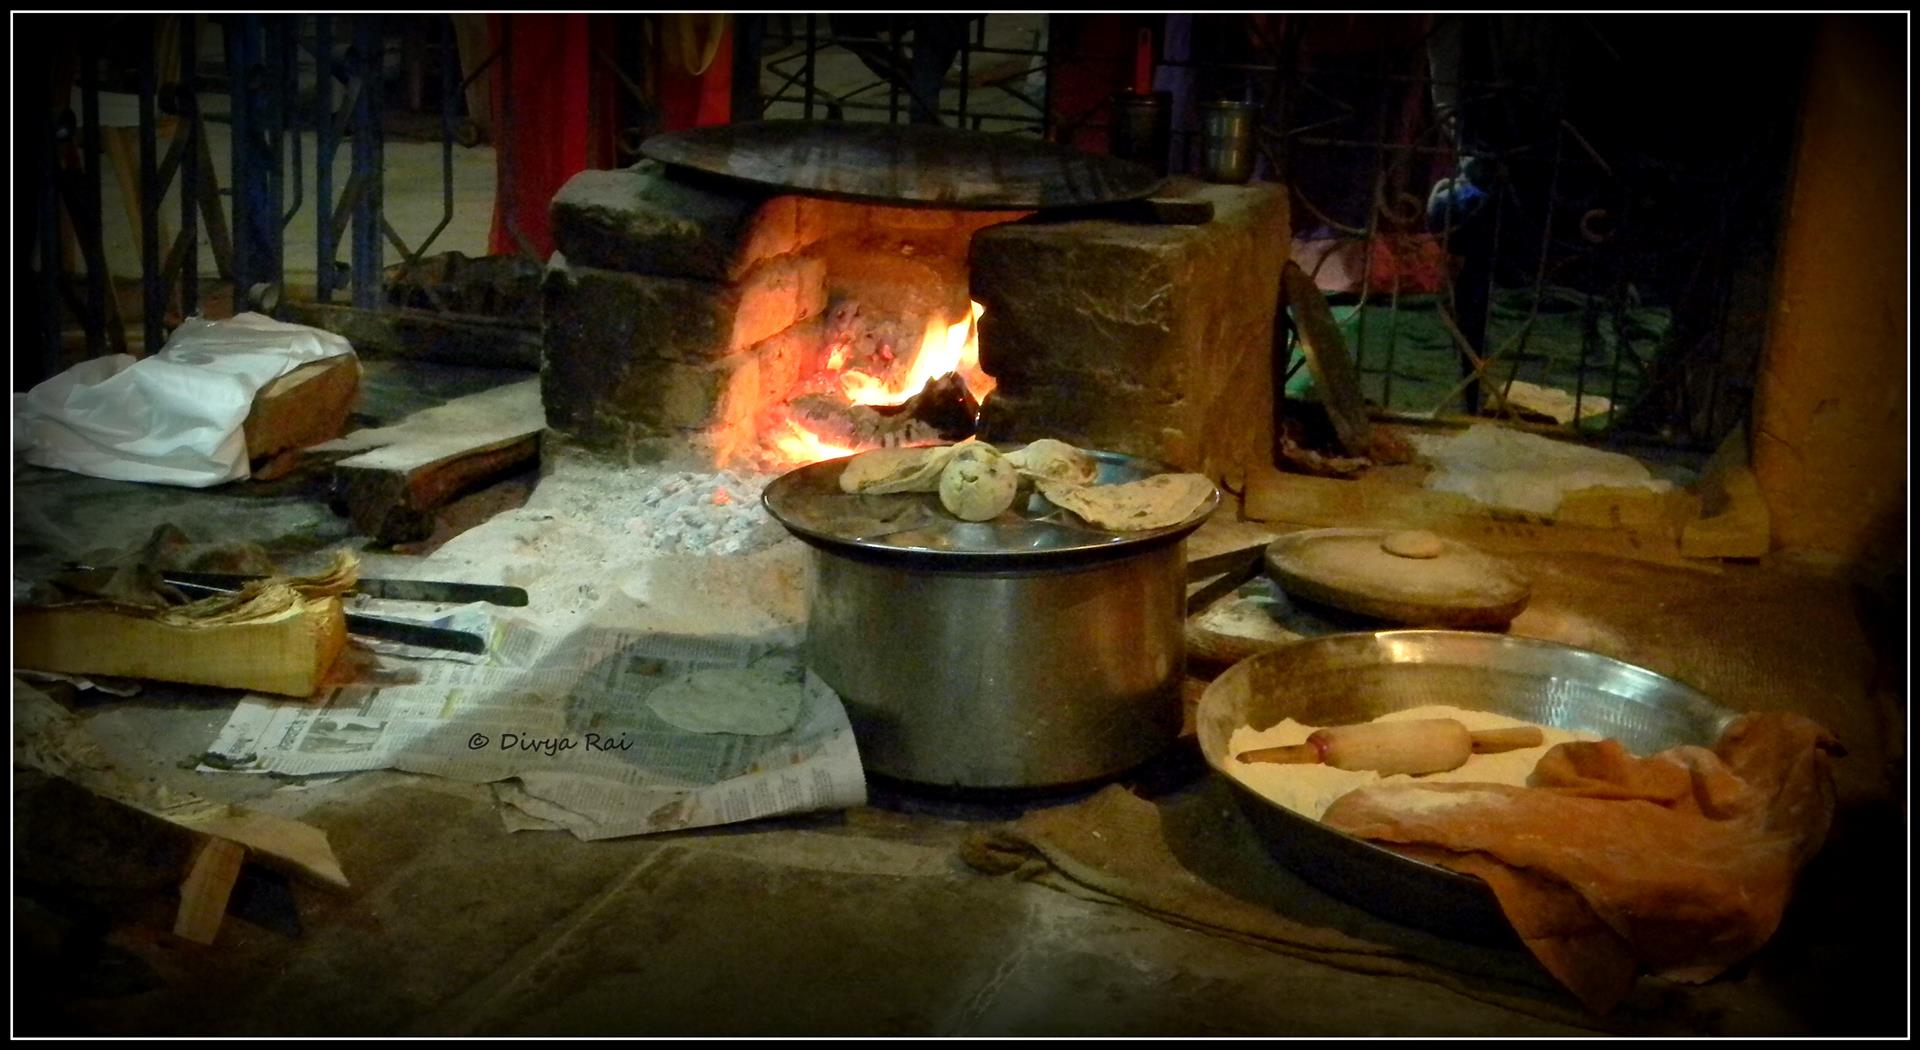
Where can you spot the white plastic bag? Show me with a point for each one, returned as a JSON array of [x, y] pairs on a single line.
[[174, 418]]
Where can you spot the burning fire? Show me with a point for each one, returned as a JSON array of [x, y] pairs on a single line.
[[796, 444], [943, 348]]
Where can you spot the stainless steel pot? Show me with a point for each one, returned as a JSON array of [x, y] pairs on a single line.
[[1030, 651]]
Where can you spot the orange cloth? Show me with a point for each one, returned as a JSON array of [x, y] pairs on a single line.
[[1680, 863]]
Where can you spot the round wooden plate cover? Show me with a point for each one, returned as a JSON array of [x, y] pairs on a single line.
[[1409, 577]]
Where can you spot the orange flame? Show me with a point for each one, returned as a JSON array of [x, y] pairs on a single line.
[[796, 444], [944, 348]]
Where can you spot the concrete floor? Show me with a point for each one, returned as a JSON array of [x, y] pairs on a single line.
[[857, 923]]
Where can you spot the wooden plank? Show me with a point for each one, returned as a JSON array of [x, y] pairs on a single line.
[[403, 473], [208, 886], [1657, 514], [51, 739], [288, 654], [287, 845], [1742, 527], [395, 504], [1737, 523], [462, 339], [1296, 499], [305, 407]]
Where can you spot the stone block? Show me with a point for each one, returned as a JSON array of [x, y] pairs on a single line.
[[776, 295], [1089, 322], [629, 356], [785, 357], [820, 219], [643, 220], [605, 314], [884, 280]]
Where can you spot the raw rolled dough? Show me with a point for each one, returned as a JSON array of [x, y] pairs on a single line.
[[762, 699]]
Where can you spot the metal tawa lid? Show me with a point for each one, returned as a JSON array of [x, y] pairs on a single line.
[[912, 529], [904, 164]]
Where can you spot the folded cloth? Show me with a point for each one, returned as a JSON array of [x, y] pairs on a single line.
[[1680, 863], [1191, 859]]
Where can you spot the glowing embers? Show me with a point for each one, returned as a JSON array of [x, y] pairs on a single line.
[[933, 395]]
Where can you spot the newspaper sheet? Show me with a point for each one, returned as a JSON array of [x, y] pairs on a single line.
[[563, 731]]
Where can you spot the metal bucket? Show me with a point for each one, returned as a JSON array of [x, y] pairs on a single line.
[[1003, 679], [1030, 651]]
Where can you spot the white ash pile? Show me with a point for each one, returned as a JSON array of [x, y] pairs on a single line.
[[698, 513], [645, 511]]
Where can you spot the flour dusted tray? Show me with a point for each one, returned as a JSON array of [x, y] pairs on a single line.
[[1342, 679]]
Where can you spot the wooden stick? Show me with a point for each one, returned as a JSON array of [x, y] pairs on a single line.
[[1293, 755], [1492, 741], [209, 884]]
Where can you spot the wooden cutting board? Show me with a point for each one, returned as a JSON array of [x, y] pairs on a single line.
[[1410, 577]]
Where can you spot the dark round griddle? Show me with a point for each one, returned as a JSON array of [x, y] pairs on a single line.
[[904, 164]]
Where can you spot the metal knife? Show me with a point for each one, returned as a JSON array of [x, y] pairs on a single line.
[[398, 590]]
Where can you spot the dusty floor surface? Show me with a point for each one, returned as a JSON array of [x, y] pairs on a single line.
[[857, 923]]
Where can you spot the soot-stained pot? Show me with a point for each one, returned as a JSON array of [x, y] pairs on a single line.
[[1027, 651]]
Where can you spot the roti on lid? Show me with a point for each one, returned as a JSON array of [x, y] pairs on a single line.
[[1150, 503], [1051, 460], [886, 470]]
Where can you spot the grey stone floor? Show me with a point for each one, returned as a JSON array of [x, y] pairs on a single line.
[[856, 923]]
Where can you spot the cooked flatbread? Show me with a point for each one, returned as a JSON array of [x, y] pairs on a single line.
[[978, 483], [1053, 460], [886, 470], [761, 700], [1150, 503]]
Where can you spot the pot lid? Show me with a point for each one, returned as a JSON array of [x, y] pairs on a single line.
[[904, 164], [914, 527], [1413, 577]]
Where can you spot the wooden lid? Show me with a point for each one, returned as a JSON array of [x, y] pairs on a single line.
[[1414, 578]]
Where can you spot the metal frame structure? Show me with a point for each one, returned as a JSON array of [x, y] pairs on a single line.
[[900, 65], [1314, 116], [1309, 115]]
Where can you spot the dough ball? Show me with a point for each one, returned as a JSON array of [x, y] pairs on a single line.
[[1413, 543], [978, 483]]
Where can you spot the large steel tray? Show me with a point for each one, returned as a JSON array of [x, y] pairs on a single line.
[[1340, 679]]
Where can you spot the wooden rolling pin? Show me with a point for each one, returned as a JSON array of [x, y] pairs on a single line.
[[1428, 745]]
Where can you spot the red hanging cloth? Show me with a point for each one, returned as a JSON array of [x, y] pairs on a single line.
[[540, 104]]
